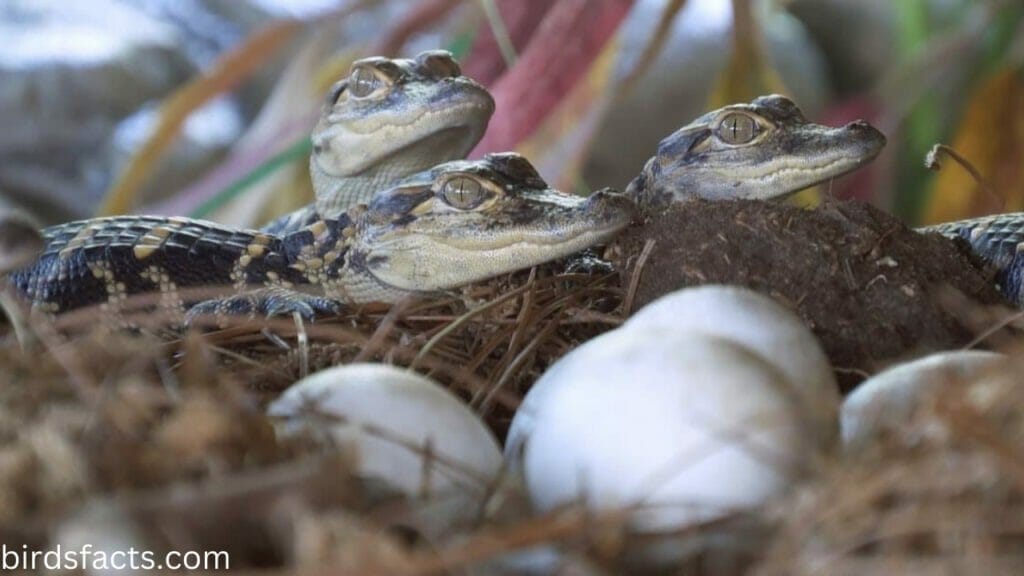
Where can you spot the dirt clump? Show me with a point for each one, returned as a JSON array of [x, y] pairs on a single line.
[[871, 289]]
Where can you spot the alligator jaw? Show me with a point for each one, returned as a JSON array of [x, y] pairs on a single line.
[[785, 154], [427, 113], [414, 241]]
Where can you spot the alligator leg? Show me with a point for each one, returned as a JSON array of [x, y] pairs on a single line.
[[266, 302]]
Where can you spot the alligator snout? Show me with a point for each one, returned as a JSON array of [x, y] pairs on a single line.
[[610, 205], [866, 131]]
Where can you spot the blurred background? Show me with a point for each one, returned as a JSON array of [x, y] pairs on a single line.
[[203, 107]]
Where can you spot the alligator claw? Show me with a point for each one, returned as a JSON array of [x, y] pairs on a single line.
[[309, 307], [587, 262], [266, 302]]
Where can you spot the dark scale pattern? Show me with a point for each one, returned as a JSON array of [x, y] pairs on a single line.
[[997, 240], [191, 253]]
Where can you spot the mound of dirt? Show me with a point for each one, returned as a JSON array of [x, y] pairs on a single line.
[[869, 287]]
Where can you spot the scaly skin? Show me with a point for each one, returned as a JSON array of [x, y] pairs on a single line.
[[786, 153], [455, 224], [404, 117], [423, 235], [998, 240], [762, 150]]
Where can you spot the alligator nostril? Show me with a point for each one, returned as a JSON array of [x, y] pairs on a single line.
[[858, 125]]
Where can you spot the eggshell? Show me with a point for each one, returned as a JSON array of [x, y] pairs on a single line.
[[103, 527], [764, 326], [887, 400], [687, 427], [392, 418]]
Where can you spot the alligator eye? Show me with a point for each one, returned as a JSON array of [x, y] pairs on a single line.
[[335, 92], [363, 82], [737, 129], [462, 192]]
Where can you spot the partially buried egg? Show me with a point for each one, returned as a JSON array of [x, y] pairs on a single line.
[[680, 428], [886, 403], [404, 428], [764, 326]]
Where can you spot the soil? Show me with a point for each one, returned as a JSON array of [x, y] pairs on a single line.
[[870, 288]]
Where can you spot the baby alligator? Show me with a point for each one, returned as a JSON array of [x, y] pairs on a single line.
[[458, 223], [453, 225], [767, 149], [388, 119]]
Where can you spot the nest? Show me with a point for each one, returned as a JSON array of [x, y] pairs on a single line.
[[941, 494], [101, 426], [160, 437], [872, 290]]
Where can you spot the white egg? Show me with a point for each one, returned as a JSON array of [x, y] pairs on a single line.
[[400, 424], [887, 400], [104, 527], [687, 427], [764, 326]]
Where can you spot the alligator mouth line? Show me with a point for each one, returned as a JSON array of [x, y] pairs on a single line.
[[435, 147], [590, 233], [815, 173], [530, 253]]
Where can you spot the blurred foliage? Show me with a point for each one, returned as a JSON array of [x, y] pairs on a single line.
[[991, 136], [749, 73], [229, 71], [955, 77], [972, 102]]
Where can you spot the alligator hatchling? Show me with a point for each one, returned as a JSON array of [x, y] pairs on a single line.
[[437, 229], [461, 222], [388, 119], [767, 149]]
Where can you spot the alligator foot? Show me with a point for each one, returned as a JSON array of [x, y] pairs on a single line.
[[267, 302], [588, 262]]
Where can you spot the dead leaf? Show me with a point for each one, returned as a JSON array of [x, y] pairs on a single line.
[[486, 62], [226, 73], [748, 73], [570, 38], [991, 137], [654, 46], [559, 145]]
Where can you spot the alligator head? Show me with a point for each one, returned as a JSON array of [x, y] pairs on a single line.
[[466, 221], [390, 118], [765, 149]]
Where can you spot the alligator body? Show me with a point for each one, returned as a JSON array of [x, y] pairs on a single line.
[[998, 240], [457, 223]]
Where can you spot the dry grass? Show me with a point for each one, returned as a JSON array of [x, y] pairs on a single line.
[[172, 431], [943, 493]]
